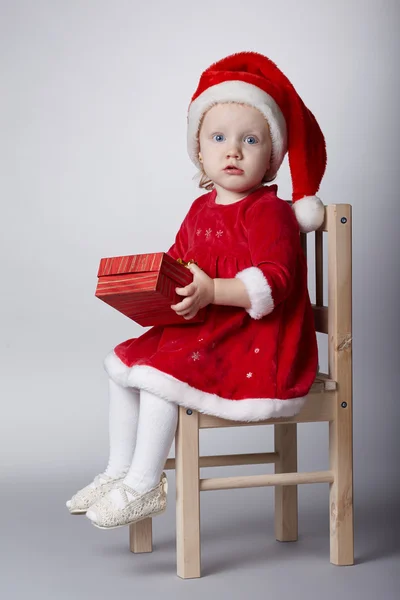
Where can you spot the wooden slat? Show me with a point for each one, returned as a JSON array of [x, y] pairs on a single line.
[[187, 495], [140, 536], [319, 274], [225, 460], [250, 481], [286, 510], [340, 368]]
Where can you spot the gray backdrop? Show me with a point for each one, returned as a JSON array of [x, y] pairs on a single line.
[[93, 163]]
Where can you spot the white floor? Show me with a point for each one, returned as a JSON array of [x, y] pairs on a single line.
[[49, 554]]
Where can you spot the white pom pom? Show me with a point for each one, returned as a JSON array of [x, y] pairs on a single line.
[[310, 213]]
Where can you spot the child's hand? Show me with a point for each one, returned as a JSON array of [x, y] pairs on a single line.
[[199, 293]]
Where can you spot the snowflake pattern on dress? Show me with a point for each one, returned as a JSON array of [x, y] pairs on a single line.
[[208, 233], [196, 356], [249, 375]]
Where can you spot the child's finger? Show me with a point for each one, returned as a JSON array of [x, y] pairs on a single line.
[[194, 268], [185, 291], [181, 291], [182, 306]]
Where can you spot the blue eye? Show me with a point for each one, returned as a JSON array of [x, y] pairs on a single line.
[[218, 135], [251, 137]]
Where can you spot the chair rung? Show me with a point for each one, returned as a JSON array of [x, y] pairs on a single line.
[[225, 460], [249, 481]]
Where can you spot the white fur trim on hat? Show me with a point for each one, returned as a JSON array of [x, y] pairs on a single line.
[[246, 93], [310, 213], [169, 388], [259, 292]]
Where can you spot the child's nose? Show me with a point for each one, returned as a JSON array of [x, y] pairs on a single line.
[[234, 152]]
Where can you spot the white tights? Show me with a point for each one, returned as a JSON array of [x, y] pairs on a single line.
[[141, 431]]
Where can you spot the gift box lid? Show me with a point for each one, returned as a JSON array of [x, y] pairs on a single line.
[[134, 263]]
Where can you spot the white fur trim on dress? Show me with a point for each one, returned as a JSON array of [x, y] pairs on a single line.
[[246, 93], [310, 213], [259, 292], [169, 388]]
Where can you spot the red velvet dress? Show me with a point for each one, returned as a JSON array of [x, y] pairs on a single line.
[[240, 364]]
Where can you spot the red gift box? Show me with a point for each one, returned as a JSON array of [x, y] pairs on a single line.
[[142, 287]]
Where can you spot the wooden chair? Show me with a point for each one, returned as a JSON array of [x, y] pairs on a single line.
[[330, 399]]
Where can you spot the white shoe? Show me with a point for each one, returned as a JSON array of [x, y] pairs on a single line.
[[84, 498], [136, 506]]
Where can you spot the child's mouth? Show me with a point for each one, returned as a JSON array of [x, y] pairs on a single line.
[[233, 171]]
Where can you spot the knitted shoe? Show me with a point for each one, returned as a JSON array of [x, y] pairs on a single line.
[[105, 515], [84, 498]]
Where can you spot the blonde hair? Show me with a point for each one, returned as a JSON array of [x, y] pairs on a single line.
[[205, 182]]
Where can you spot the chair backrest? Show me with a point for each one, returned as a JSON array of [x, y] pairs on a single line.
[[335, 318]]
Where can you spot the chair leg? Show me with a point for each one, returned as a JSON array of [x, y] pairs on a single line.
[[140, 536], [341, 490], [187, 494], [286, 506]]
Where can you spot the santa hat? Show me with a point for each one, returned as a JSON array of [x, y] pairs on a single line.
[[253, 79]]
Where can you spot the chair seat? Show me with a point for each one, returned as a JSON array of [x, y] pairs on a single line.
[[318, 407]]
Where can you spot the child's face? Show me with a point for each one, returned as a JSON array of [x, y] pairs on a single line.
[[235, 134]]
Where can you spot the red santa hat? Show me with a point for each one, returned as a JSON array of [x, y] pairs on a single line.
[[253, 79]]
